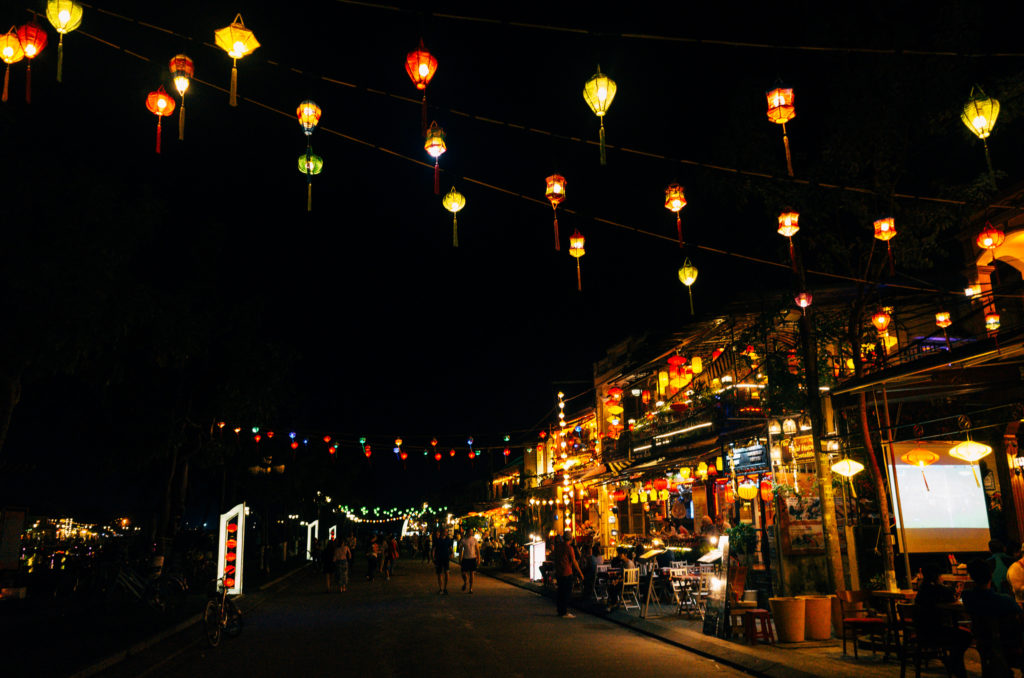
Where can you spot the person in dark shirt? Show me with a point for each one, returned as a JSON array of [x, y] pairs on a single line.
[[982, 600], [442, 559], [928, 621]]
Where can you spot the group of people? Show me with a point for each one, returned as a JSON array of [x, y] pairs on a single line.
[[441, 553]]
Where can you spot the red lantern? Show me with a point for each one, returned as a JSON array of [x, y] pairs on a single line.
[[270, 434], [803, 300], [766, 490], [615, 392], [33, 40], [675, 201], [781, 111], [506, 452], [437, 456], [403, 455], [472, 454], [676, 361], [327, 439], [555, 193], [730, 498], [295, 444], [990, 238], [435, 147], [618, 495], [257, 438], [645, 396], [367, 451], [421, 66], [660, 484], [451, 452], [159, 104], [11, 52], [712, 470], [881, 321]]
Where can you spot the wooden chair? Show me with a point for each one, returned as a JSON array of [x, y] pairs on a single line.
[[910, 646], [631, 588], [999, 645], [858, 619]]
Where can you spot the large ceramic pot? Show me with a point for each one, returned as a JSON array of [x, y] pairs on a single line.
[[789, 615], [818, 617]]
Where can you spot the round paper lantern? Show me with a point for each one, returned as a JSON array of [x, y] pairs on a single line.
[[454, 201], [237, 41], [766, 491], [308, 114], [618, 495], [804, 299], [780, 111], [435, 146], [65, 16], [555, 193], [990, 238], [33, 39], [688, 276], [421, 66], [11, 52], [310, 164], [599, 92], [660, 483], [576, 242], [747, 491], [979, 114], [942, 319], [160, 104], [182, 70], [881, 320]]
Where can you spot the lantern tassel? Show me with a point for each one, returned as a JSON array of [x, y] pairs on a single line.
[[233, 97], [679, 229], [892, 266], [309, 196], [690, 292], [925, 481], [558, 247], [789, 158], [988, 160], [792, 256], [455, 231], [853, 490], [579, 279], [604, 160], [60, 58], [437, 178], [181, 120], [423, 116], [158, 119], [7, 80], [975, 473], [28, 82]]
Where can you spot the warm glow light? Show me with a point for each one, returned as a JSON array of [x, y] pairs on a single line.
[[599, 92], [972, 290], [688, 273], [804, 299], [789, 224], [435, 142], [885, 229], [847, 467], [990, 237], [453, 201], [675, 199], [942, 319], [919, 457], [992, 322], [980, 113], [780, 105], [881, 320], [576, 242], [236, 39], [970, 451]]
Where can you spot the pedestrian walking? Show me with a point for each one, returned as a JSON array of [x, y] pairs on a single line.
[[327, 561], [566, 568], [342, 555], [469, 549], [372, 558], [390, 551], [426, 546], [441, 555]]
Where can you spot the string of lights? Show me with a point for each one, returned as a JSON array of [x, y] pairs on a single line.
[[739, 172]]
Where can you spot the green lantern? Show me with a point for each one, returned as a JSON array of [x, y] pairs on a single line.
[[310, 164]]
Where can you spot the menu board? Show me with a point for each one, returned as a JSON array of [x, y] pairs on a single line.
[[753, 458], [715, 619], [800, 520]]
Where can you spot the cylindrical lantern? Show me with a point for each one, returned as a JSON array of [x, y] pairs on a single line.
[[65, 16], [576, 242], [599, 92], [308, 114], [675, 201], [555, 193], [885, 230], [160, 104], [688, 276], [11, 52], [435, 147], [766, 491], [992, 322], [182, 70], [33, 39], [781, 111], [454, 201], [310, 164], [237, 41], [421, 66]]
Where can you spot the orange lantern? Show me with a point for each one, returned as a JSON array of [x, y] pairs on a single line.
[[555, 193], [989, 239], [881, 320], [160, 104], [33, 39], [660, 483], [992, 322], [237, 41], [11, 52], [728, 495], [885, 230], [435, 147], [781, 111], [789, 224], [942, 319], [803, 300], [766, 491], [920, 457], [675, 201], [576, 242], [182, 70], [421, 66]]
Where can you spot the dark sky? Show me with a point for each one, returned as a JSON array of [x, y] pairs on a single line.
[[394, 331]]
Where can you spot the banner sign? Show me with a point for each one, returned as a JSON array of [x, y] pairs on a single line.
[[312, 532], [230, 556]]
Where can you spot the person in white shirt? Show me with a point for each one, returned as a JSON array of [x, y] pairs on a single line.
[[1015, 577], [470, 550]]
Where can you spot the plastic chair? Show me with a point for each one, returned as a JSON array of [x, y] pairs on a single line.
[[859, 620], [631, 588]]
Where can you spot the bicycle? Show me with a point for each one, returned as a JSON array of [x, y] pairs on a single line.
[[165, 593], [221, 616]]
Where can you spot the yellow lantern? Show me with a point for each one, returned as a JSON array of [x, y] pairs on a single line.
[[688, 276], [781, 111], [576, 242], [979, 114], [971, 452], [942, 319], [685, 473], [237, 41], [454, 201], [65, 16], [702, 470], [675, 201], [920, 458], [747, 491], [663, 380], [696, 365], [599, 92], [848, 468], [992, 322], [11, 52], [435, 147]]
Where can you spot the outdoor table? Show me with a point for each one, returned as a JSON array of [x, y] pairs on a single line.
[[891, 598]]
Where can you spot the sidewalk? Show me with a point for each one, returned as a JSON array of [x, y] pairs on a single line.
[[788, 660]]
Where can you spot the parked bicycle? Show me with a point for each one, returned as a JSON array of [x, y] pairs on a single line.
[[165, 593], [222, 616]]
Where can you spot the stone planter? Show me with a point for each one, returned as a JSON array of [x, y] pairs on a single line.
[[818, 617], [789, 615]]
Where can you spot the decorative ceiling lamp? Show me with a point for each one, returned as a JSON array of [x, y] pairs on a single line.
[[992, 322], [599, 93], [920, 458], [675, 201], [688, 276], [311, 165], [555, 192], [182, 71], [11, 52], [576, 242], [421, 66], [237, 41], [789, 224], [65, 16], [781, 111], [454, 201], [989, 239], [308, 114], [881, 320], [971, 452], [848, 468], [942, 319], [979, 114], [885, 230], [803, 300], [33, 39], [435, 147], [159, 104]]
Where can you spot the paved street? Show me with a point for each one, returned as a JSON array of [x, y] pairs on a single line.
[[403, 628]]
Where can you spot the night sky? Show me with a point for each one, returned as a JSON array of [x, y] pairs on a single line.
[[383, 328]]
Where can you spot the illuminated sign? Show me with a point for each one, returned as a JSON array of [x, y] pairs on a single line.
[[312, 532], [332, 533], [232, 549]]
